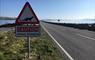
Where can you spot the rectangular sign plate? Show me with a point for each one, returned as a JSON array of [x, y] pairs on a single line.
[[27, 31]]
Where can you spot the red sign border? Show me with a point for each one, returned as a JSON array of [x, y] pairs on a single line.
[[19, 22]]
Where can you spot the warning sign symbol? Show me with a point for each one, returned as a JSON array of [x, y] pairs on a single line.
[[27, 15]]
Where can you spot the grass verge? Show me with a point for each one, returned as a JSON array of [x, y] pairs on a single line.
[[15, 48]]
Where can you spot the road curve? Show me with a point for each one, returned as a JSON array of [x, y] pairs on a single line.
[[80, 44]]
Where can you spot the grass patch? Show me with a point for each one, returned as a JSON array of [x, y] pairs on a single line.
[[15, 48]]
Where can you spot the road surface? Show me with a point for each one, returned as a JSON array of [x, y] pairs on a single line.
[[80, 44]]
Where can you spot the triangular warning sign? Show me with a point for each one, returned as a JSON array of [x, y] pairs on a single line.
[[27, 15]]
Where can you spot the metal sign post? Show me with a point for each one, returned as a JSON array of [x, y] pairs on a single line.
[[28, 39]]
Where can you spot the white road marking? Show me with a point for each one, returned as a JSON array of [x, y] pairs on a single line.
[[69, 56], [86, 37]]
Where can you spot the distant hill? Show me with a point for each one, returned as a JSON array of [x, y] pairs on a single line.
[[7, 18]]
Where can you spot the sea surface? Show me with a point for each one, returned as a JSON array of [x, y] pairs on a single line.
[[6, 21], [77, 21]]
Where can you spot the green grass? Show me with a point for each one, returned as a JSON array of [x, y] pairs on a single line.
[[42, 47]]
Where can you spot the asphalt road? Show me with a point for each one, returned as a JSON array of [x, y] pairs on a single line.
[[80, 44]]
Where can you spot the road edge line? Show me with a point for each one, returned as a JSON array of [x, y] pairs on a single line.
[[68, 55]]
